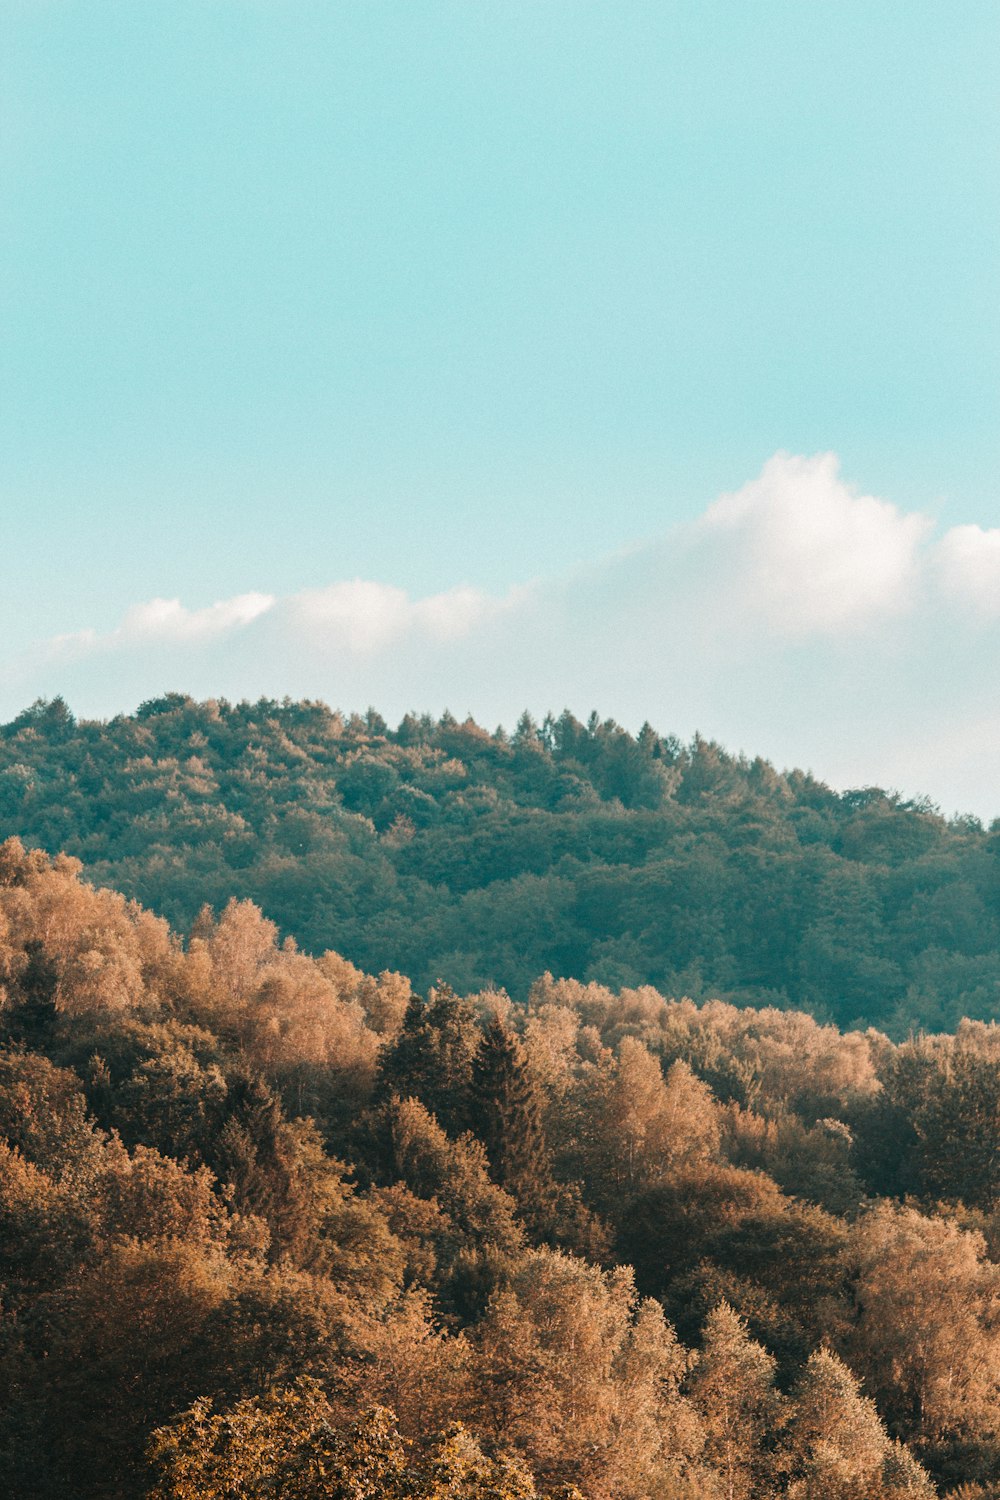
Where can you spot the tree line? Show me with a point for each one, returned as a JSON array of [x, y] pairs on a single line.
[[273, 1225], [445, 851]]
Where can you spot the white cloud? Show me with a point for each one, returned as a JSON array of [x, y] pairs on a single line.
[[797, 619], [167, 621], [794, 552], [968, 563], [364, 617], [807, 554], [450, 616]]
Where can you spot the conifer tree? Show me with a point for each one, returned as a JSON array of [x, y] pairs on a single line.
[[506, 1115], [431, 1058], [34, 1018], [958, 1128]]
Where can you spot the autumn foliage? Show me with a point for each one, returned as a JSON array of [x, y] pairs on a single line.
[[272, 1226]]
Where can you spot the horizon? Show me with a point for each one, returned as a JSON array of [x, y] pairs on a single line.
[[540, 720], [639, 355]]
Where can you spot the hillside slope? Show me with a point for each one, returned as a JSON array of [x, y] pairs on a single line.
[[449, 852], [269, 1225]]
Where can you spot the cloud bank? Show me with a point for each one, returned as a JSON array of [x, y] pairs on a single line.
[[796, 618]]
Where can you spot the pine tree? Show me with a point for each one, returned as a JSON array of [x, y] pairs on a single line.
[[431, 1058], [506, 1115], [34, 1017], [959, 1131], [250, 1150]]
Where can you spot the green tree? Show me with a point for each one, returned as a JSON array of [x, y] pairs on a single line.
[[432, 1057], [506, 1115]]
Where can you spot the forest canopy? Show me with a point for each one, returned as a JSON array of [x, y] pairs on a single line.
[[271, 1225], [450, 853]]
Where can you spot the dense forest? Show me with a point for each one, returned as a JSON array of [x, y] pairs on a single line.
[[273, 1226], [450, 853]]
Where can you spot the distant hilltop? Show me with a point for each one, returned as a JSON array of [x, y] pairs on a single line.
[[484, 858]]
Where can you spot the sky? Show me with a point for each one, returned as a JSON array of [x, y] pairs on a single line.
[[643, 357]]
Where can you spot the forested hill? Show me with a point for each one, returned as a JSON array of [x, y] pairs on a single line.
[[270, 1226], [446, 851]]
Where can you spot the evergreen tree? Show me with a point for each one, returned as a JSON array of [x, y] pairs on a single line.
[[34, 1018], [251, 1151], [958, 1128], [506, 1115], [431, 1059]]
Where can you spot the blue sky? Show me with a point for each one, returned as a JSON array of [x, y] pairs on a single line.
[[440, 295]]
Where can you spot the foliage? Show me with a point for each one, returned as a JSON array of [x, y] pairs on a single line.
[[445, 852], [273, 1226]]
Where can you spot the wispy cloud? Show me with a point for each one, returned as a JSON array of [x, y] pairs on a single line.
[[797, 618], [366, 617], [167, 622]]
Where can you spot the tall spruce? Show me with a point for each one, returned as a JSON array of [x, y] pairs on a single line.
[[432, 1057], [506, 1115]]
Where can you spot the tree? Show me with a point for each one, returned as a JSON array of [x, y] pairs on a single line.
[[732, 1388], [34, 1016], [837, 1447], [452, 1208], [124, 1346], [506, 1115], [286, 1444], [280, 1443], [584, 1380], [667, 1230], [432, 1057], [926, 1334], [958, 1130]]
